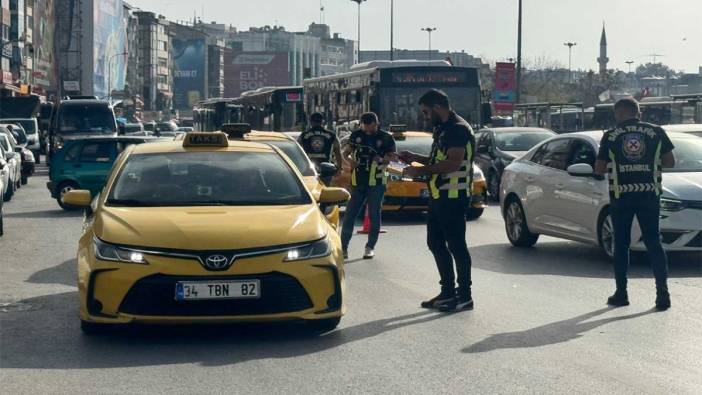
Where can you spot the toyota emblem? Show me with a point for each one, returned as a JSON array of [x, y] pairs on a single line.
[[216, 262]]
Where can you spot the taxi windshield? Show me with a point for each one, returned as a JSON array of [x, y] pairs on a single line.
[[296, 155], [418, 145], [206, 179]]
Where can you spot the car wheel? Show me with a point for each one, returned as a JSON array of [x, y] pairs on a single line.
[[474, 213], [516, 225], [606, 234], [325, 325], [92, 328], [64, 188], [493, 186], [2, 230], [9, 192], [24, 180]]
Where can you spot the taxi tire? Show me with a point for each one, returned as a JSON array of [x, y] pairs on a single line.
[[474, 213], [24, 180], [324, 325], [9, 192], [493, 186]]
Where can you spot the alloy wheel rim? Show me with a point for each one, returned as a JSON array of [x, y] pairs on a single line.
[[608, 236], [514, 221]]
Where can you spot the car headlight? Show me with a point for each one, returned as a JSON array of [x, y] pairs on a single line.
[[478, 174], [317, 249], [671, 204], [109, 252]]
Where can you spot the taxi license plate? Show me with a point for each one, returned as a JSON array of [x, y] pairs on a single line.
[[424, 193], [250, 289]]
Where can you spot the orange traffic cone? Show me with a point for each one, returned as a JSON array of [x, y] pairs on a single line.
[[366, 225]]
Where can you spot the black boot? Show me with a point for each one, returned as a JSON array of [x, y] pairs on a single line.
[[619, 299], [446, 295], [662, 299]]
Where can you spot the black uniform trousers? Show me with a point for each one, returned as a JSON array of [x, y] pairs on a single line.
[[446, 238]]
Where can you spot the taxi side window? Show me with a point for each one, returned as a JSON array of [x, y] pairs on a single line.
[[581, 152], [553, 154], [72, 154], [97, 152]]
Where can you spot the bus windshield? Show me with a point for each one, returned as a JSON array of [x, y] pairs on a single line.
[[84, 118]]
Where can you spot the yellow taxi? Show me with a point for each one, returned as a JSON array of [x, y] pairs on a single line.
[[208, 229], [413, 195]]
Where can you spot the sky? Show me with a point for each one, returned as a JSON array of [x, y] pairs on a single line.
[[486, 28]]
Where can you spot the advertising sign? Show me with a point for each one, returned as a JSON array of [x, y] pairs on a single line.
[[245, 71], [504, 94], [110, 43], [188, 72], [44, 32]]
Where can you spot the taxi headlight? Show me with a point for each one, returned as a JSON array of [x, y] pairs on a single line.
[[108, 252], [478, 175], [671, 205], [317, 249]]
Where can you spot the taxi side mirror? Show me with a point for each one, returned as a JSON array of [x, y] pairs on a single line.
[[78, 198], [334, 196], [327, 169]]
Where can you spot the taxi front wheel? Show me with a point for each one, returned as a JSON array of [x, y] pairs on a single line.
[[325, 325]]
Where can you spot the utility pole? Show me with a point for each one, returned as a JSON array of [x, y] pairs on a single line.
[[358, 38], [519, 54], [429, 30], [392, 29], [109, 73], [570, 46], [629, 63]]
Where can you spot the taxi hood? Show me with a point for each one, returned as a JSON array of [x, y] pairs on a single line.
[[208, 228]]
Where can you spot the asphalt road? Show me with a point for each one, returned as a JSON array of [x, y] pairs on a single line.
[[540, 324]]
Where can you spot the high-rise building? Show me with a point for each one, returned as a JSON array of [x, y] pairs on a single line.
[[155, 61], [336, 54], [7, 88], [603, 59]]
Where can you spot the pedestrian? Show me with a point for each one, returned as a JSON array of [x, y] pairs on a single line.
[[368, 153], [320, 144], [633, 155], [449, 169]]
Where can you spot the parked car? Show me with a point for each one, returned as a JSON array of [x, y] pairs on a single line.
[[165, 129], [496, 148], [2, 186], [186, 129], [31, 129], [133, 129], [5, 170], [552, 191], [80, 118], [14, 164], [85, 164], [692, 128]]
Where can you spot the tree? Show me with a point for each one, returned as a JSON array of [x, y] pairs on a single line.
[[655, 69]]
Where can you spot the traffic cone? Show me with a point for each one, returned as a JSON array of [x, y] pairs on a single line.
[[366, 225]]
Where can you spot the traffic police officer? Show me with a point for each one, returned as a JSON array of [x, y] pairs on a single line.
[[633, 154], [450, 172], [368, 153], [319, 143]]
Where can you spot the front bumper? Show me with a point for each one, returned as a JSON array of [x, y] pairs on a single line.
[[681, 231], [120, 293]]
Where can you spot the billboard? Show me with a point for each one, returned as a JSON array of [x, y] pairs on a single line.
[[504, 94], [245, 71], [44, 32], [109, 45], [188, 72]]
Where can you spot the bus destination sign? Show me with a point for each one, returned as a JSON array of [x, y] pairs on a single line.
[[428, 77]]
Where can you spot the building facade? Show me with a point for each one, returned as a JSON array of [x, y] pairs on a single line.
[[154, 61], [7, 88], [337, 54]]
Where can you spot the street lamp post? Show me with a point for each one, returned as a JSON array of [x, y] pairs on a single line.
[[358, 37], [109, 73], [629, 63], [570, 46], [519, 54], [392, 29], [429, 30]]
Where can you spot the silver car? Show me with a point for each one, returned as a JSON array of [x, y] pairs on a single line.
[[551, 191]]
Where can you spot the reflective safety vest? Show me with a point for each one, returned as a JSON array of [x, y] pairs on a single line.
[[318, 143], [635, 164], [460, 182], [377, 174]]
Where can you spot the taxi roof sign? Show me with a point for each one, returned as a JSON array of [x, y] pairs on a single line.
[[202, 139], [398, 131], [236, 130]]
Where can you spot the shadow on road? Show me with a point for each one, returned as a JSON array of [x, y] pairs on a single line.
[[572, 259], [47, 214], [64, 274], [47, 336], [553, 333]]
